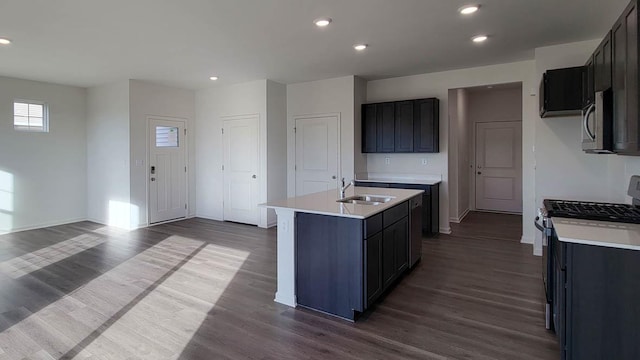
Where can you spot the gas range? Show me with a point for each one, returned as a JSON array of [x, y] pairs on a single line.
[[622, 213]]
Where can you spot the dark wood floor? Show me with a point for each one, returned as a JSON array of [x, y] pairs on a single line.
[[200, 289]]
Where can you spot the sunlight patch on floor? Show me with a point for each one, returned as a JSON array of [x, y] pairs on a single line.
[[150, 306], [34, 261]]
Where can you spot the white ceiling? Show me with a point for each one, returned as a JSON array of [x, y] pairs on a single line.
[[183, 42]]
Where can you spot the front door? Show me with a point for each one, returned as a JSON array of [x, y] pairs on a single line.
[[317, 154], [240, 137], [167, 170], [499, 166]]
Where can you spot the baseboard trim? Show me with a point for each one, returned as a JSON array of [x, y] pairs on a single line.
[[526, 240], [208, 217], [459, 219], [445, 230], [45, 225]]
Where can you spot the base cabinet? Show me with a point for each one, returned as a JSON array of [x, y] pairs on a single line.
[[343, 265], [596, 302]]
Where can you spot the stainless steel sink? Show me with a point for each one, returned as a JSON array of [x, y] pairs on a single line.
[[366, 199]]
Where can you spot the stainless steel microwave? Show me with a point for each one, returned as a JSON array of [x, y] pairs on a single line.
[[597, 124]]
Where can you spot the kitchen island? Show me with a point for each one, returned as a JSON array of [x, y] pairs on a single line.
[[339, 257]]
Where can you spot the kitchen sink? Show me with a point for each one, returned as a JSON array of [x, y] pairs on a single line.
[[366, 199]]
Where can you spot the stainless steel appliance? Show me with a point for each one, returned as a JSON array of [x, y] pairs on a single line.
[[597, 124], [543, 223], [585, 210], [415, 228]]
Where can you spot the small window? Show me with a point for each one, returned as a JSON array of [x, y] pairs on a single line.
[[30, 116], [167, 136]]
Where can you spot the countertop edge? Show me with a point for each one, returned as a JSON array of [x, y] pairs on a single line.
[[598, 243], [374, 210]]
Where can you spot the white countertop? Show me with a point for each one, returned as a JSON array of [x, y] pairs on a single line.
[[599, 233], [324, 203], [417, 179]]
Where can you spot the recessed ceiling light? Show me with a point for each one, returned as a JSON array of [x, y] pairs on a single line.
[[468, 9], [322, 22], [5, 41], [360, 47], [479, 38], [214, 78]]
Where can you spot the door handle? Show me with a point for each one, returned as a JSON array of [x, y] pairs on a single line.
[[254, 177], [479, 173], [153, 179], [334, 177]]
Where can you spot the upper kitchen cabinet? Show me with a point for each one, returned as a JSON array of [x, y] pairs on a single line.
[[386, 128], [404, 126], [426, 127], [378, 128], [401, 127], [603, 65], [589, 83], [560, 93], [369, 128], [624, 37]]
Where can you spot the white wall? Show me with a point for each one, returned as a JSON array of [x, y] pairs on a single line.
[[107, 149], [437, 85], [276, 146], [43, 177], [324, 97], [150, 100], [211, 106]]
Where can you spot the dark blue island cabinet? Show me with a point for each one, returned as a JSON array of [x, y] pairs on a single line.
[[344, 264], [596, 301]]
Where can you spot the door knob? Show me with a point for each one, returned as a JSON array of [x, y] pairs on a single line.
[[334, 177], [254, 177], [153, 179], [479, 173]]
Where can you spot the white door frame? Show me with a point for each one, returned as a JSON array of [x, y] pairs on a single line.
[[473, 157], [291, 148], [260, 170], [185, 138]]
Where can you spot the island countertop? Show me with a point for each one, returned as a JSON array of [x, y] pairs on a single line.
[[325, 203], [598, 233]]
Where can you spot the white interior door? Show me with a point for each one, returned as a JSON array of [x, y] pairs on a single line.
[[317, 152], [241, 141], [499, 166], [167, 170]]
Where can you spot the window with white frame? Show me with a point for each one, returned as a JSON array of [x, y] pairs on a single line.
[[30, 116]]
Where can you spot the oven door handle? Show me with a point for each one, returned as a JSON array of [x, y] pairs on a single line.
[[538, 226]]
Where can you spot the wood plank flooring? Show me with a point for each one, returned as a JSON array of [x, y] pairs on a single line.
[[200, 289]]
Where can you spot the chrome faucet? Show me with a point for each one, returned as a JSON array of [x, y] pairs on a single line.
[[343, 187]]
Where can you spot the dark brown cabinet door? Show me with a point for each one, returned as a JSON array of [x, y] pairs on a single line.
[[625, 82], [426, 126], [373, 265], [603, 63], [369, 128], [589, 85], [402, 245], [388, 256], [404, 126], [386, 127]]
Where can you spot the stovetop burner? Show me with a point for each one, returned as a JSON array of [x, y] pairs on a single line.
[[593, 211]]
